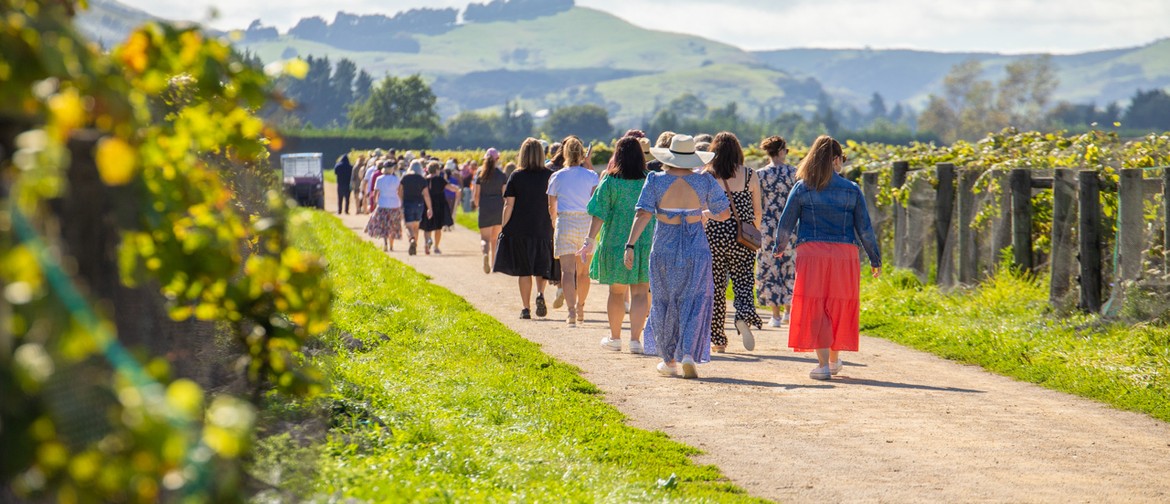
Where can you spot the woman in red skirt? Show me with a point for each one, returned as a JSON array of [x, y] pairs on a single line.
[[828, 214]]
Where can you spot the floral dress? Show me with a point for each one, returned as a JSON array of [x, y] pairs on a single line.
[[775, 278]]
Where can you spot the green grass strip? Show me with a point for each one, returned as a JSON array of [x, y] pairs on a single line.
[[451, 405], [469, 220], [1006, 326]]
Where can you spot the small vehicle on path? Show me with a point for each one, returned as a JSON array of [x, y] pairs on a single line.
[[304, 178]]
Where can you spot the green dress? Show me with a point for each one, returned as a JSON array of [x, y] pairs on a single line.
[[613, 202]]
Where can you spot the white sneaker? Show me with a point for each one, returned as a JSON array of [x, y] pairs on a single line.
[[835, 367], [559, 300], [775, 322], [611, 344], [688, 367], [636, 347], [787, 317], [665, 369], [745, 331], [820, 373], [627, 308]]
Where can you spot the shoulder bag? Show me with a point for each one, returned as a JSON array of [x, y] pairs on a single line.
[[747, 235]]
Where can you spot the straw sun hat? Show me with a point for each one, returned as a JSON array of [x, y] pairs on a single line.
[[682, 153]]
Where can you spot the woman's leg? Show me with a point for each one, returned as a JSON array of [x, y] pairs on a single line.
[[494, 240], [583, 285], [719, 273], [775, 311], [616, 309], [743, 285], [438, 238], [526, 291], [568, 280], [639, 309], [823, 357]]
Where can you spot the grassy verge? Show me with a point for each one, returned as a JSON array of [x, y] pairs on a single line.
[[444, 403], [1006, 326], [469, 220]]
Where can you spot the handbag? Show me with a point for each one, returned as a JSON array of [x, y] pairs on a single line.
[[747, 234]]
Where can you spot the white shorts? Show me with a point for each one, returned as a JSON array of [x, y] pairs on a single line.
[[571, 230]]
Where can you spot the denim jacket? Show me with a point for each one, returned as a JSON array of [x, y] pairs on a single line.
[[834, 214]]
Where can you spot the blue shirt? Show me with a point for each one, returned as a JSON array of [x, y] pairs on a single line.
[[835, 214], [573, 187]]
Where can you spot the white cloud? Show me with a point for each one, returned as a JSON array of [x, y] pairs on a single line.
[[971, 25]]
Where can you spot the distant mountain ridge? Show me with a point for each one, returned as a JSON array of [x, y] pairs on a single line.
[[572, 55], [909, 76]]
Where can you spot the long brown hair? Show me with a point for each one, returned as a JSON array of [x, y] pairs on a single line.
[[487, 168], [531, 155], [728, 155], [816, 169], [627, 162]]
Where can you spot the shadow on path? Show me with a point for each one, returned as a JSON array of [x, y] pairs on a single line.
[[755, 383], [845, 380]]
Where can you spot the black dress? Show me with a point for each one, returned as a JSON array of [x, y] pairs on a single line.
[[525, 246], [440, 211]]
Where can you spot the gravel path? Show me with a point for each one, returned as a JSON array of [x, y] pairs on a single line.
[[897, 425]]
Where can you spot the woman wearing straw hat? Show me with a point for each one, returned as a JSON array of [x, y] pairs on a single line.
[[680, 257], [830, 212]]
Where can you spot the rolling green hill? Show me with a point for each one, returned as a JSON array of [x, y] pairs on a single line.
[[579, 38], [910, 76], [588, 56]]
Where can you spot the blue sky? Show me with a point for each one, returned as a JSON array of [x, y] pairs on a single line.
[[1011, 26]]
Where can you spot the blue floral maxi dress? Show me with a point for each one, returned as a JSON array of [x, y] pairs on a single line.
[[775, 278], [680, 271]]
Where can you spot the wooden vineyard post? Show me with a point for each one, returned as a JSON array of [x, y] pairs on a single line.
[[900, 240], [1001, 237], [1021, 184], [1064, 193], [869, 189], [944, 211], [968, 254], [1130, 221], [1166, 220], [1089, 206]]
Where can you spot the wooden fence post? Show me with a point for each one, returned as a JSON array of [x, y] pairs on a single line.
[[944, 211], [1089, 203], [1166, 220], [1021, 183], [1064, 193], [898, 180], [968, 252], [869, 189], [1129, 209]]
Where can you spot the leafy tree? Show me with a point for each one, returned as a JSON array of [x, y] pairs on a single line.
[[590, 122], [825, 115], [688, 106], [514, 125], [1148, 110], [972, 107], [362, 87], [470, 130], [877, 107], [342, 85], [1025, 91], [398, 103], [160, 122]]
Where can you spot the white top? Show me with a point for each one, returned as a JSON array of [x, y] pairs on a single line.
[[369, 176], [573, 186], [387, 186]]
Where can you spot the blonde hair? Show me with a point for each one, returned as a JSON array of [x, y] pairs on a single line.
[[574, 151], [816, 169], [434, 167], [531, 154]]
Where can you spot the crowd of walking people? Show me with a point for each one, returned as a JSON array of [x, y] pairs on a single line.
[[665, 227]]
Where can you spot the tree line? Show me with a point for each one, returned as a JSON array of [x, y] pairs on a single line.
[[340, 96]]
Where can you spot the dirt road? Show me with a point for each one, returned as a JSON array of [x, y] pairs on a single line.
[[898, 425]]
